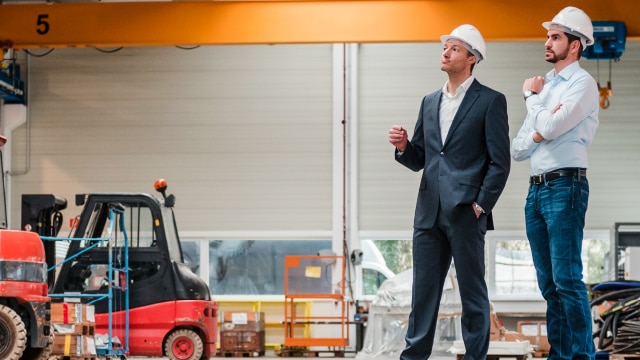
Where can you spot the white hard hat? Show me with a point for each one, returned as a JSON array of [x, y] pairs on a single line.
[[573, 21], [471, 37]]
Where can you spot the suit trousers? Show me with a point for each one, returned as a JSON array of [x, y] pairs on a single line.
[[458, 235]]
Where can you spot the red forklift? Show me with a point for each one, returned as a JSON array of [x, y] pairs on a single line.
[[25, 331], [157, 306]]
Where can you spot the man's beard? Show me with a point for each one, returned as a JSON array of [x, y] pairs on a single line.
[[558, 57]]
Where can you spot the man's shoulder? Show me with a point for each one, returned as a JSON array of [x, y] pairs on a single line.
[[437, 92], [477, 86], [433, 96]]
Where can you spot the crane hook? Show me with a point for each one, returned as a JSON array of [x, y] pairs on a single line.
[[605, 93]]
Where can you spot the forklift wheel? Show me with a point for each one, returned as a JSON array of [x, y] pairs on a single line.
[[184, 344], [13, 337]]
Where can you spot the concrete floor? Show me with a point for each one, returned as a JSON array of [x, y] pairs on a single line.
[[268, 355]]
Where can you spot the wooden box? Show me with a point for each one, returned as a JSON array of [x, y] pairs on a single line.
[[536, 333], [242, 333], [242, 342], [73, 345], [72, 313], [241, 321]]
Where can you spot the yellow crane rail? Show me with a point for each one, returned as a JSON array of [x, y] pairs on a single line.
[[115, 24]]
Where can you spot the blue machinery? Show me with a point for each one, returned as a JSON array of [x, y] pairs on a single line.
[[11, 86], [609, 43], [110, 351]]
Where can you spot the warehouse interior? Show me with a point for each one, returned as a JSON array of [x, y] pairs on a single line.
[[269, 121]]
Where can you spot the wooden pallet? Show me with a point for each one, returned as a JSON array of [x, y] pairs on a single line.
[[623, 356], [60, 357], [499, 357], [239, 354], [540, 354], [310, 353]]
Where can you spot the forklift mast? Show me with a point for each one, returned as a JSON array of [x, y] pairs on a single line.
[[3, 199], [41, 214]]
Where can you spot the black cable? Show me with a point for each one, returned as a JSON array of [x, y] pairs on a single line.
[[187, 48], [604, 341], [38, 55], [56, 223], [620, 323], [614, 295], [109, 51]]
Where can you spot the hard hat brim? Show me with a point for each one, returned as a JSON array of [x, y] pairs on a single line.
[[475, 52], [445, 38], [585, 40]]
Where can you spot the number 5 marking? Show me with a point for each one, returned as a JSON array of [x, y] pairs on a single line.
[[43, 24]]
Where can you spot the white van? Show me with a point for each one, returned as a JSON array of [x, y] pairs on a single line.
[[374, 269]]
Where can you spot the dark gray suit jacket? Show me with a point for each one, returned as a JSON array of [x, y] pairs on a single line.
[[472, 165]]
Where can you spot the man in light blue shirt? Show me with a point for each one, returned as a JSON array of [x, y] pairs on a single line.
[[561, 121]]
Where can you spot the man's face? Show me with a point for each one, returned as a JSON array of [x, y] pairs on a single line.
[[455, 57], [556, 47]]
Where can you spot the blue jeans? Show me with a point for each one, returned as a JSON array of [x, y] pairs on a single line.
[[554, 215]]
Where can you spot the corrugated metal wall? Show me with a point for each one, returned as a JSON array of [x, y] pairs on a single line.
[[395, 77], [243, 134]]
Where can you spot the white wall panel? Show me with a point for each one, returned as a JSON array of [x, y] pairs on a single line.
[[395, 77], [243, 134]]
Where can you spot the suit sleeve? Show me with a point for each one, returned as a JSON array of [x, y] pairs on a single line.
[[413, 155], [498, 150]]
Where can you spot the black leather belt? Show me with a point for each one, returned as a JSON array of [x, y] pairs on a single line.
[[552, 175]]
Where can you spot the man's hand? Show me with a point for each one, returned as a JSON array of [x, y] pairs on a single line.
[[536, 136], [398, 137], [475, 210], [534, 84]]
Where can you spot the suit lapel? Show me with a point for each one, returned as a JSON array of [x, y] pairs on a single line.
[[470, 98], [432, 113]]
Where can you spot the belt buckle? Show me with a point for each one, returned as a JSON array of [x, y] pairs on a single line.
[[537, 179]]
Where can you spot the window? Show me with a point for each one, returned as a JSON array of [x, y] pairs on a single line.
[[513, 268], [138, 224], [372, 279], [256, 267], [250, 267], [511, 274]]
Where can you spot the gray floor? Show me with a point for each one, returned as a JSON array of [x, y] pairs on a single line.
[[268, 355]]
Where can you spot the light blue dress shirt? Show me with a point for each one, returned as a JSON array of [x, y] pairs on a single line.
[[567, 132]]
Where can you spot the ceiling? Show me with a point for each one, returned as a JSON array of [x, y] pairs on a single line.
[[74, 23]]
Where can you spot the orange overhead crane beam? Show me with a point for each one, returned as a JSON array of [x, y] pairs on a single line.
[[115, 24]]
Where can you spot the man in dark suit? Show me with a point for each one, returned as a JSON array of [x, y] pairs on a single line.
[[461, 142]]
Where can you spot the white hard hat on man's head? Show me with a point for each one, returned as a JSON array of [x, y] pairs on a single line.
[[573, 21], [471, 37]]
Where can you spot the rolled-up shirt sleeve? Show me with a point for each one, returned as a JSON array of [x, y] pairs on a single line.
[[574, 107], [522, 146]]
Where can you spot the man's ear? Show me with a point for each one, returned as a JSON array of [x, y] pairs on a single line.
[[575, 45]]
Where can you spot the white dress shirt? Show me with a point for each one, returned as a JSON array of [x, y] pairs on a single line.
[[449, 105]]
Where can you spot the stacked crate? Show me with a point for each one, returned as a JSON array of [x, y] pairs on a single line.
[[536, 333], [242, 334], [74, 329]]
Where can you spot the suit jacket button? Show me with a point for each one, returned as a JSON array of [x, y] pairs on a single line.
[[442, 153]]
